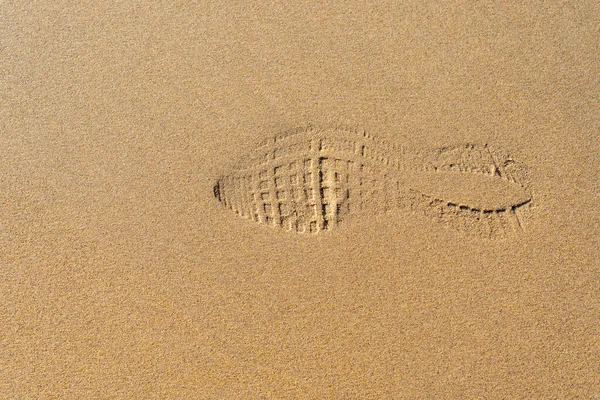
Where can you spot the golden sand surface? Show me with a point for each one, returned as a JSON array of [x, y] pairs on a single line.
[[126, 271]]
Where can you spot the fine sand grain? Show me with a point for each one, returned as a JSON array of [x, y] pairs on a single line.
[[277, 200]]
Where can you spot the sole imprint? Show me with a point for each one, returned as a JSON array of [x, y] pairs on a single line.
[[312, 179]]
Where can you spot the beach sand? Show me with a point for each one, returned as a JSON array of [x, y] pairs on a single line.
[[122, 276]]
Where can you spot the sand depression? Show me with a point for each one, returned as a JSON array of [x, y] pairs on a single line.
[[310, 180]]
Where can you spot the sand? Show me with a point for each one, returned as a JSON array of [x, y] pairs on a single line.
[[123, 276]]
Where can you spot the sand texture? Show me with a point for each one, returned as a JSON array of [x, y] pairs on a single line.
[[300, 200]]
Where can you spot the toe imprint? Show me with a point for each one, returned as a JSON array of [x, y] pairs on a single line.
[[312, 179]]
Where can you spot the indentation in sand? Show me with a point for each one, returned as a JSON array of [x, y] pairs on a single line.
[[312, 179]]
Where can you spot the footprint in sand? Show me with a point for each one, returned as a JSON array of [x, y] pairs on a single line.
[[313, 179]]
